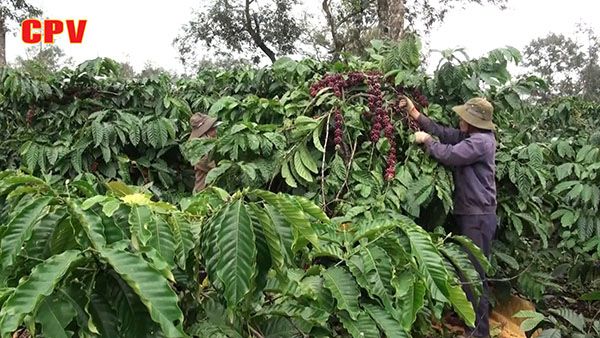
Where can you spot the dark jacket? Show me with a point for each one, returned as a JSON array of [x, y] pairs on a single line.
[[472, 159]]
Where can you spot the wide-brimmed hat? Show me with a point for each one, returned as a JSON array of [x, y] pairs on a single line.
[[477, 112], [201, 123]]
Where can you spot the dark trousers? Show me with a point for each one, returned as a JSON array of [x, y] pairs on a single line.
[[480, 229]]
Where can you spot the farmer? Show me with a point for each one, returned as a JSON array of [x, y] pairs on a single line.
[[470, 152], [203, 126]]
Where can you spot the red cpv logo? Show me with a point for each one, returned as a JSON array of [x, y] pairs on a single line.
[[32, 32]]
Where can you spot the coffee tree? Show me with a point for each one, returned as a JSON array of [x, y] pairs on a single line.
[[323, 218]]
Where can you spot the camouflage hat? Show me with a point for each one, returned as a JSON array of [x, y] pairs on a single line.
[[477, 112], [201, 123]]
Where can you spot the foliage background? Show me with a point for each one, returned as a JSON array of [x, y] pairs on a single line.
[[300, 213]]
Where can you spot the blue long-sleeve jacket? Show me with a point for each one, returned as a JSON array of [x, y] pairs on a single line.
[[472, 159]]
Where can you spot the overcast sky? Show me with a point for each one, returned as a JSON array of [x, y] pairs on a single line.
[[140, 31]]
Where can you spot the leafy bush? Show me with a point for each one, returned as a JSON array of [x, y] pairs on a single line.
[[120, 264], [324, 218]]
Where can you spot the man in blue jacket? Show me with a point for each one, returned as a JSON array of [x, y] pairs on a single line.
[[470, 152]]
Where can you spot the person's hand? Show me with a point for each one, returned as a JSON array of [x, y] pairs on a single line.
[[421, 137], [406, 104]]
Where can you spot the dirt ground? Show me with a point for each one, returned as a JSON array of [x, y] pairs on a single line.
[[502, 322]]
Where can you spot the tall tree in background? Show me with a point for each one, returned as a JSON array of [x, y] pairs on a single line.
[[12, 11], [150, 70], [126, 70], [276, 27], [590, 75], [570, 67], [43, 60], [385, 19], [246, 27]]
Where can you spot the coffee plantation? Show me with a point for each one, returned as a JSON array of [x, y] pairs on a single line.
[[322, 219]]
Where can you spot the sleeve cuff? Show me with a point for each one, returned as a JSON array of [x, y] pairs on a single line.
[[428, 143], [423, 121]]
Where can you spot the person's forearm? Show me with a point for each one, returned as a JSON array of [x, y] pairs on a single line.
[[463, 153], [414, 113], [445, 134]]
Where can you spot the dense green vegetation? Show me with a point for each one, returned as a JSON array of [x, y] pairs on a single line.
[[302, 233]]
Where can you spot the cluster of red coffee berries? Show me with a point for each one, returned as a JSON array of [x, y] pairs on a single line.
[[417, 98], [380, 116], [375, 106], [381, 121], [337, 82], [339, 122], [355, 79], [333, 81]]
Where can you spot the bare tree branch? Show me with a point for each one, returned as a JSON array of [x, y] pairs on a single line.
[[255, 32]]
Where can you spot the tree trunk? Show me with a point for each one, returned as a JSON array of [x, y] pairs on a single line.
[[391, 18], [356, 43], [255, 32], [383, 15], [2, 42], [337, 46], [396, 19]]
